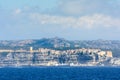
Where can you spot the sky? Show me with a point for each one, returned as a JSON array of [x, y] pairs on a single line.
[[69, 19]]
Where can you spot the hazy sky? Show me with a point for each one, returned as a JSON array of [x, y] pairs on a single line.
[[69, 19]]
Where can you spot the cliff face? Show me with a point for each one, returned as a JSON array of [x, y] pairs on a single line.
[[55, 51], [48, 57]]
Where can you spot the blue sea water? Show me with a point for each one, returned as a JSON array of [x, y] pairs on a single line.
[[60, 73]]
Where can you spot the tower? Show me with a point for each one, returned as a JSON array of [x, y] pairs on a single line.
[[31, 48]]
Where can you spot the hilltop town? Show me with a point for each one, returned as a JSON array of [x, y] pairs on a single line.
[[62, 44]]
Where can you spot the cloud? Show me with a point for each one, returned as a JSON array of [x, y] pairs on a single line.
[[17, 11], [90, 21], [94, 20], [83, 7], [73, 7]]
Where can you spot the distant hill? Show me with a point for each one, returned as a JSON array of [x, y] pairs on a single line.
[[63, 44]]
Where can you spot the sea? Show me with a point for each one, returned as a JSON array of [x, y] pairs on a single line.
[[60, 73]]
